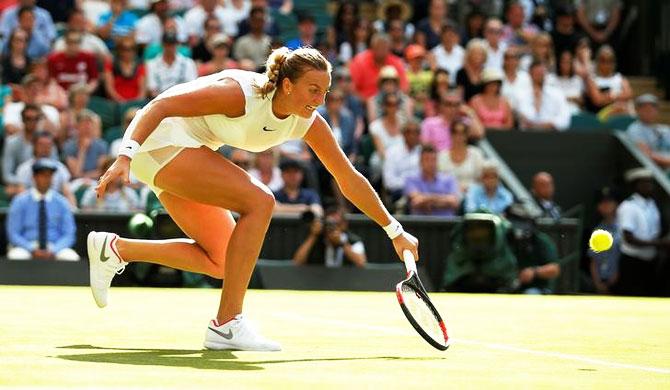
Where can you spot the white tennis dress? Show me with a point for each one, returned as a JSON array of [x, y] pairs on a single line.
[[257, 130]]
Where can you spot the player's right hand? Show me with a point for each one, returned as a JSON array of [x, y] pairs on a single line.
[[406, 241], [120, 168]]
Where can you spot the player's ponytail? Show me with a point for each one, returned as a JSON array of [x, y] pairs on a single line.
[[284, 63]]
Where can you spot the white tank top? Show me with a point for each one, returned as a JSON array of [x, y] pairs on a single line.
[[257, 130]]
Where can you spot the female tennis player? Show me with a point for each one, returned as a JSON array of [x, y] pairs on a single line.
[[171, 146]]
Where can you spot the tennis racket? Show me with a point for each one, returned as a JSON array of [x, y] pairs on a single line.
[[418, 308]]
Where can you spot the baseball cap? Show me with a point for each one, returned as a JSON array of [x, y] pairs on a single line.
[[44, 164], [646, 98], [638, 173]]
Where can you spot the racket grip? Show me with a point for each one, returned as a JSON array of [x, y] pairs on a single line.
[[410, 262]]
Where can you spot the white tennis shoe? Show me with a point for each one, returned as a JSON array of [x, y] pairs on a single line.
[[237, 334], [104, 262]]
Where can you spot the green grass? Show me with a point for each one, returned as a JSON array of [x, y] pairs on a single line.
[[57, 337]]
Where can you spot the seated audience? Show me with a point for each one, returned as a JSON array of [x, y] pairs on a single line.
[[49, 91], [604, 266], [516, 82], [469, 77], [492, 108], [608, 91], [292, 198], [73, 65], [569, 82], [462, 160], [544, 108], [84, 153], [389, 84], [435, 130], [652, 137], [402, 161], [219, 46], [40, 224], [543, 192], [366, 66], [385, 132], [266, 169], [29, 91], [330, 243], [448, 55], [15, 62], [125, 76], [432, 192], [118, 197], [118, 22], [170, 68], [489, 194]]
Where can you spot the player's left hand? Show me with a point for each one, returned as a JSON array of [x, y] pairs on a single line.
[[406, 241]]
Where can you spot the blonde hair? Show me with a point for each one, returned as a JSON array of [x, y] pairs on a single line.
[[284, 63], [475, 44]]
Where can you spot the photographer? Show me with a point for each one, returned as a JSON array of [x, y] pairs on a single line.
[[329, 243]]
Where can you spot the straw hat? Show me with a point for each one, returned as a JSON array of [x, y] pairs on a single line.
[[386, 5]]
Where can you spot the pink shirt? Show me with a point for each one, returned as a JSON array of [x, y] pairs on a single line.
[[435, 130]]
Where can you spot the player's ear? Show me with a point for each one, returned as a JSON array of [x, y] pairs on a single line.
[[287, 85]]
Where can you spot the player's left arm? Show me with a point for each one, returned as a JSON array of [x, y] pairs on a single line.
[[353, 185]]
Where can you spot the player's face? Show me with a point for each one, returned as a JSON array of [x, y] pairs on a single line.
[[308, 92]]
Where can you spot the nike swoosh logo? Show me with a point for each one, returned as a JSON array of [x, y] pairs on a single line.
[[226, 336], [266, 129], [104, 258]]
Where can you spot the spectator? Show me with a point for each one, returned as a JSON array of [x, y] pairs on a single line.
[[385, 132], [266, 170], [12, 111], [357, 43], [397, 40], [124, 77], [435, 130], [545, 107], [489, 194], [607, 88], [219, 45], [432, 192], [42, 21], [306, 33], [448, 55], [516, 82], [40, 224], [84, 153], [564, 35], [15, 62], [536, 254], [346, 20], [599, 19], [169, 69], [342, 121], [389, 84], [43, 148], [270, 27], [195, 20], [58, 9], [18, 148], [584, 66], [474, 26], [439, 87], [604, 266], [49, 91], [330, 243], [256, 44], [74, 66], [569, 82], [366, 66], [237, 11], [202, 51], [78, 98], [154, 50], [38, 41], [118, 22], [517, 32], [491, 107], [540, 50], [651, 137], [543, 193], [495, 48], [462, 160], [428, 30], [469, 77], [402, 161], [150, 27], [118, 197], [640, 222], [292, 198], [419, 79], [89, 42], [115, 146], [351, 101]]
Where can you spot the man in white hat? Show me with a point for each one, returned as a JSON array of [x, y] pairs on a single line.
[[640, 222], [651, 137]]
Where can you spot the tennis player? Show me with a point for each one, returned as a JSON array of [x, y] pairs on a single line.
[[171, 146]]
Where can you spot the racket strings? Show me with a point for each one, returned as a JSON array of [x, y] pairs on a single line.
[[422, 314]]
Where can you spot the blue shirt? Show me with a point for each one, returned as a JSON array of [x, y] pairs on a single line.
[[98, 148], [23, 221], [656, 136], [44, 26], [443, 185], [476, 199], [123, 25], [305, 196]]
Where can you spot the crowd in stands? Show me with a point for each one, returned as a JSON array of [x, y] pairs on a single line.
[[415, 85]]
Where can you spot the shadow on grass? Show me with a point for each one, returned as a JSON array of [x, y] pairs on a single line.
[[202, 359]]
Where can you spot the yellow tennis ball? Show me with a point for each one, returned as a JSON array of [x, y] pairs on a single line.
[[601, 240]]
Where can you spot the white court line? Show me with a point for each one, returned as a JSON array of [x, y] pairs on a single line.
[[497, 346]]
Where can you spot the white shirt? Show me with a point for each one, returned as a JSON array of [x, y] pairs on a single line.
[[400, 163], [451, 61], [149, 29], [512, 90], [468, 171], [641, 217], [12, 114], [553, 108], [195, 20], [494, 58], [572, 87], [161, 76]]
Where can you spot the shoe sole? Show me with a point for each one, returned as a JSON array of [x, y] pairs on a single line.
[[214, 346], [93, 261]]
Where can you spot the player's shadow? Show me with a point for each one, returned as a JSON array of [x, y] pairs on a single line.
[[202, 359]]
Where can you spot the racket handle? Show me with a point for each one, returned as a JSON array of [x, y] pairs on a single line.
[[410, 262]]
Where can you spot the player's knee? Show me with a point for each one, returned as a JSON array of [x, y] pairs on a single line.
[[264, 202]]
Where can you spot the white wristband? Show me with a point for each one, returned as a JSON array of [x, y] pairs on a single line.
[[393, 229], [128, 148]]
